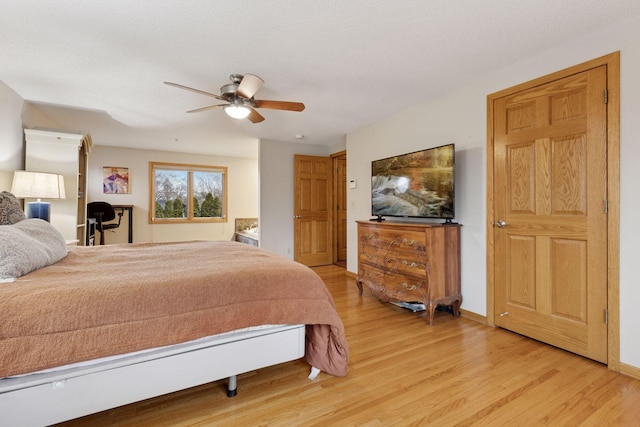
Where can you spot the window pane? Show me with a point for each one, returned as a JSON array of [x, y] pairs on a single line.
[[171, 193], [208, 194], [187, 193]]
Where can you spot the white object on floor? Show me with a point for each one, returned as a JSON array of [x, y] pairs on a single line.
[[314, 373]]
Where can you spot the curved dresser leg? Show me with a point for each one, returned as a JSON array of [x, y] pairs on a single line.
[[431, 308], [456, 307]]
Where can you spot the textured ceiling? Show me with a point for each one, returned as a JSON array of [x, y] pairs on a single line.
[[99, 66]]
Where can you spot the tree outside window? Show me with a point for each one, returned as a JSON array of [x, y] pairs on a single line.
[[187, 193]]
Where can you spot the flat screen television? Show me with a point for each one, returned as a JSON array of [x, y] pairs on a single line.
[[414, 185]]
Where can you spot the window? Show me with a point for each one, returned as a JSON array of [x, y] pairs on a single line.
[[187, 193]]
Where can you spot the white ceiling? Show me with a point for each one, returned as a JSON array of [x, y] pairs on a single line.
[[100, 66]]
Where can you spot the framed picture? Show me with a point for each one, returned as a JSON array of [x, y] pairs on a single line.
[[115, 180]]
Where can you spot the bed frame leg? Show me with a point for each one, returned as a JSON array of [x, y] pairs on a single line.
[[232, 387]]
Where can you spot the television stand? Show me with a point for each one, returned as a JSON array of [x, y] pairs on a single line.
[[449, 221], [377, 219], [411, 263]]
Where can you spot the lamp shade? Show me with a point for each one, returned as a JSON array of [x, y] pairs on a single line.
[[38, 185]]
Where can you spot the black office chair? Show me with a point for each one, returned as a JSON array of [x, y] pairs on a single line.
[[103, 211]]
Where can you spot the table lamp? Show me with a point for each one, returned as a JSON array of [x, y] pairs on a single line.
[[38, 185]]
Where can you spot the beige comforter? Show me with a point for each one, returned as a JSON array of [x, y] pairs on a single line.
[[100, 301]]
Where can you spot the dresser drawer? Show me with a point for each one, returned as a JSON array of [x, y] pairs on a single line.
[[391, 286], [402, 262], [392, 240]]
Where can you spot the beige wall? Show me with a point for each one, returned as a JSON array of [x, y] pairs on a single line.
[[242, 188]]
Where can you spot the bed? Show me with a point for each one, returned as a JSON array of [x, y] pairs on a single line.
[[106, 326]]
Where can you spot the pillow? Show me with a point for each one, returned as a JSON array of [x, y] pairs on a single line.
[[28, 245], [10, 209]]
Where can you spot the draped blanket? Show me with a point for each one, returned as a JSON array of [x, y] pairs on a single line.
[[107, 300]]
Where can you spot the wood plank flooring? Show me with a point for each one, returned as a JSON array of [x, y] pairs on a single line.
[[404, 373]]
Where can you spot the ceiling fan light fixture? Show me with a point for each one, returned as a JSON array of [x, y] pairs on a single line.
[[237, 111], [240, 97]]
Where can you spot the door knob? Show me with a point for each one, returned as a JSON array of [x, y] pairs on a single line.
[[297, 216], [501, 224]]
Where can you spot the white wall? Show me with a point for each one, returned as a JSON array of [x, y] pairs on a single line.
[[460, 117], [276, 192], [242, 176], [428, 126], [15, 115], [11, 136]]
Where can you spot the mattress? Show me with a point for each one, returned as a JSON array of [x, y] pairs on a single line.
[[117, 299]]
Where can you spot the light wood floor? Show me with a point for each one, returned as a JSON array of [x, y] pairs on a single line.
[[402, 373]]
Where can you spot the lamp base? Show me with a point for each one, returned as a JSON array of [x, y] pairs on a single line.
[[41, 210]]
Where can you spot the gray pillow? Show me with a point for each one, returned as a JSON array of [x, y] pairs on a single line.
[[28, 245], [10, 209]]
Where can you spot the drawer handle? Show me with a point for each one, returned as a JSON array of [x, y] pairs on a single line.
[[413, 264], [409, 288], [407, 242]]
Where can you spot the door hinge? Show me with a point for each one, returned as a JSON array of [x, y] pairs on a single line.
[[606, 206], [606, 96], [606, 316]]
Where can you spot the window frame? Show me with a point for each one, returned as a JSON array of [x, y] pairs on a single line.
[[189, 169]]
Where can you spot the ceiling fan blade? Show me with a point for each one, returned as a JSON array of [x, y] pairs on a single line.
[[249, 86], [279, 105], [195, 90], [255, 117], [210, 107]]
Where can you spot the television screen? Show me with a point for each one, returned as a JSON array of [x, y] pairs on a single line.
[[418, 184]]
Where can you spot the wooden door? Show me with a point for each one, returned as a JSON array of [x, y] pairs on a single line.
[[550, 212], [340, 204], [312, 210]]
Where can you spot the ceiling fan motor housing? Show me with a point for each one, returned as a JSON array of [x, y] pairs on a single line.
[[228, 91]]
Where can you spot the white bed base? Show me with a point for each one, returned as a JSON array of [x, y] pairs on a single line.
[[48, 398]]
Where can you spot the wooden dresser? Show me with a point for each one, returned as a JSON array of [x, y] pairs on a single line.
[[411, 262]]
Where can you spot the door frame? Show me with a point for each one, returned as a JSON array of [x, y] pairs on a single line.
[[612, 62], [334, 198]]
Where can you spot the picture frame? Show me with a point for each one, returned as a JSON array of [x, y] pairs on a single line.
[[115, 180]]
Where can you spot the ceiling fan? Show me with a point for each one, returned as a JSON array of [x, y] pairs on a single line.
[[239, 95]]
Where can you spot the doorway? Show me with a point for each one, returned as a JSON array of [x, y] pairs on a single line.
[[340, 208], [320, 209], [552, 201], [312, 215]]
